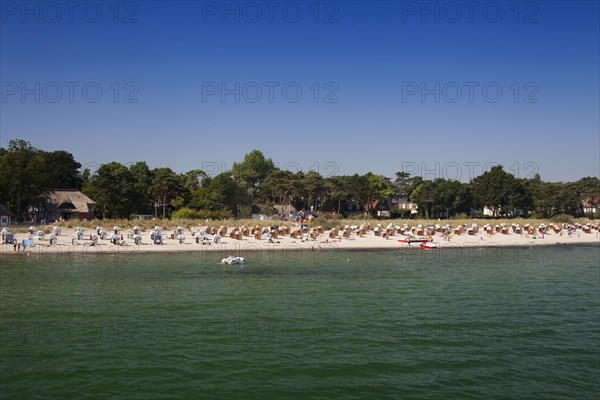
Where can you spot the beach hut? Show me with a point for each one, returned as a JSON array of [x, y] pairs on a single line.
[[5, 216], [114, 238], [4, 234], [419, 230], [430, 230], [9, 237]]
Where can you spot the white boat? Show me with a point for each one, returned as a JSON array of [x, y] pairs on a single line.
[[428, 245], [233, 260]]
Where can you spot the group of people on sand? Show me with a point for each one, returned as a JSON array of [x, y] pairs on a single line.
[[18, 246]]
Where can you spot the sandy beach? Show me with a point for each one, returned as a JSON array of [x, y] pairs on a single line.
[[235, 242]]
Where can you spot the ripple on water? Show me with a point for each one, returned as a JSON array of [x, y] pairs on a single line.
[[384, 325]]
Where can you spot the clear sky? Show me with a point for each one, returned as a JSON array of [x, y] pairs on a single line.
[[436, 88]]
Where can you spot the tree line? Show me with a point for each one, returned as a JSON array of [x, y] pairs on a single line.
[[121, 191]]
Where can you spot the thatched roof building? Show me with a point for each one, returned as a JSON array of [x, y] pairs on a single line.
[[62, 204]]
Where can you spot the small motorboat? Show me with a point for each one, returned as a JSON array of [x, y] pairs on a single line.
[[428, 245], [414, 239], [233, 260]]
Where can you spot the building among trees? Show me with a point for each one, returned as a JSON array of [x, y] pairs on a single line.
[[590, 205], [5, 216], [62, 204]]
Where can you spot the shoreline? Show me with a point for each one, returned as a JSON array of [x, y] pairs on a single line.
[[65, 244]]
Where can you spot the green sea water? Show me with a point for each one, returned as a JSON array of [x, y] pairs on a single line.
[[511, 323]]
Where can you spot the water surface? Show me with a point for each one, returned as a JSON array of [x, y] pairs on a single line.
[[345, 325]]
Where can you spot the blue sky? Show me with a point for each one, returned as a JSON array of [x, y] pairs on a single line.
[[379, 84]]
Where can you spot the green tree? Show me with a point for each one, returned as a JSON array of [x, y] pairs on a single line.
[[23, 175], [403, 184], [493, 189], [314, 187], [358, 186], [113, 189], [278, 186], [378, 189], [464, 199], [423, 195], [445, 193], [143, 179], [339, 190], [222, 193], [253, 169], [520, 197], [166, 185], [193, 179], [62, 170]]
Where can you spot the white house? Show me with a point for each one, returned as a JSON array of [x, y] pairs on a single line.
[[590, 205]]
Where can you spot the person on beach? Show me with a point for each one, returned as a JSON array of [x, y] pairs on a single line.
[[14, 244]]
